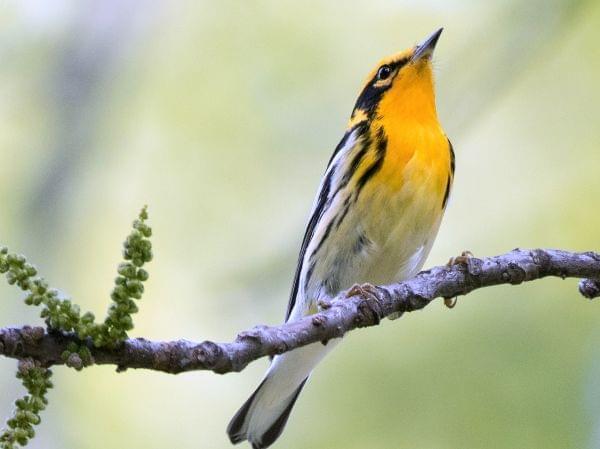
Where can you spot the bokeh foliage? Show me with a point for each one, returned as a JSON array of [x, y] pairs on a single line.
[[222, 116]]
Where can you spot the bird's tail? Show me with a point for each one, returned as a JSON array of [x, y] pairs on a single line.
[[263, 416]]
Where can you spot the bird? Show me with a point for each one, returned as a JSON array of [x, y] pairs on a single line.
[[373, 221]]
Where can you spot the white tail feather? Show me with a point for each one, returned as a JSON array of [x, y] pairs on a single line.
[[262, 418]]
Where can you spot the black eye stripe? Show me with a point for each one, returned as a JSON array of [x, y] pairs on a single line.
[[372, 93], [391, 68]]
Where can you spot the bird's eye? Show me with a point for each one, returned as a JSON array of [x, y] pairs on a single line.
[[384, 72]]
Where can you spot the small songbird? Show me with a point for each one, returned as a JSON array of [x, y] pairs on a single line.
[[374, 219]]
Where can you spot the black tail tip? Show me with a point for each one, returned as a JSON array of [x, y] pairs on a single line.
[[235, 439], [234, 432]]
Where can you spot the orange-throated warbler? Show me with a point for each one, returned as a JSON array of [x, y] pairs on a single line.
[[374, 220]]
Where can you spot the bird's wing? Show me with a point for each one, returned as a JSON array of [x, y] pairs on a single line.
[[320, 204]]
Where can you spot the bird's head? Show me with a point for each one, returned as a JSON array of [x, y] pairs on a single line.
[[400, 86]]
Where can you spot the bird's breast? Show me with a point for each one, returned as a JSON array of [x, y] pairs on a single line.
[[406, 202]]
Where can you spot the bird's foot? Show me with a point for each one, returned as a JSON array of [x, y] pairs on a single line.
[[463, 259], [460, 260], [365, 290], [369, 310]]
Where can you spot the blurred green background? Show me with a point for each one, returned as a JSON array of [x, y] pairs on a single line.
[[221, 116]]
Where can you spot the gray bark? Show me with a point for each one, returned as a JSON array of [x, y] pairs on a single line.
[[360, 306]]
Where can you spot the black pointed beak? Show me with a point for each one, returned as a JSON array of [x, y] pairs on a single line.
[[425, 48]]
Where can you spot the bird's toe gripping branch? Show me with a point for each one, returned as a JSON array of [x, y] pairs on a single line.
[[369, 309], [463, 259], [460, 260]]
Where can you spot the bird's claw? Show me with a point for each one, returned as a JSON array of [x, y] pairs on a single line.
[[365, 290], [463, 259], [450, 302], [460, 260]]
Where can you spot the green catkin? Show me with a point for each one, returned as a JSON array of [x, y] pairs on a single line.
[[64, 316], [19, 428], [137, 251]]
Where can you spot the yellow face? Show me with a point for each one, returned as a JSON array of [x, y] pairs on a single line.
[[400, 87], [397, 108]]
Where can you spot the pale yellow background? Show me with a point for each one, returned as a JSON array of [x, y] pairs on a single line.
[[221, 117]]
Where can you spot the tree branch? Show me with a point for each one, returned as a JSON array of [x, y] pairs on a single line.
[[360, 306]]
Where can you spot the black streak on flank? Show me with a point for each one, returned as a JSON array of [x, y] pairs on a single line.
[[309, 272], [450, 175], [452, 158], [446, 193], [345, 209], [355, 162], [360, 128], [323, 204], [376, 166], [325, 236], [361, 243], [310, 230]]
